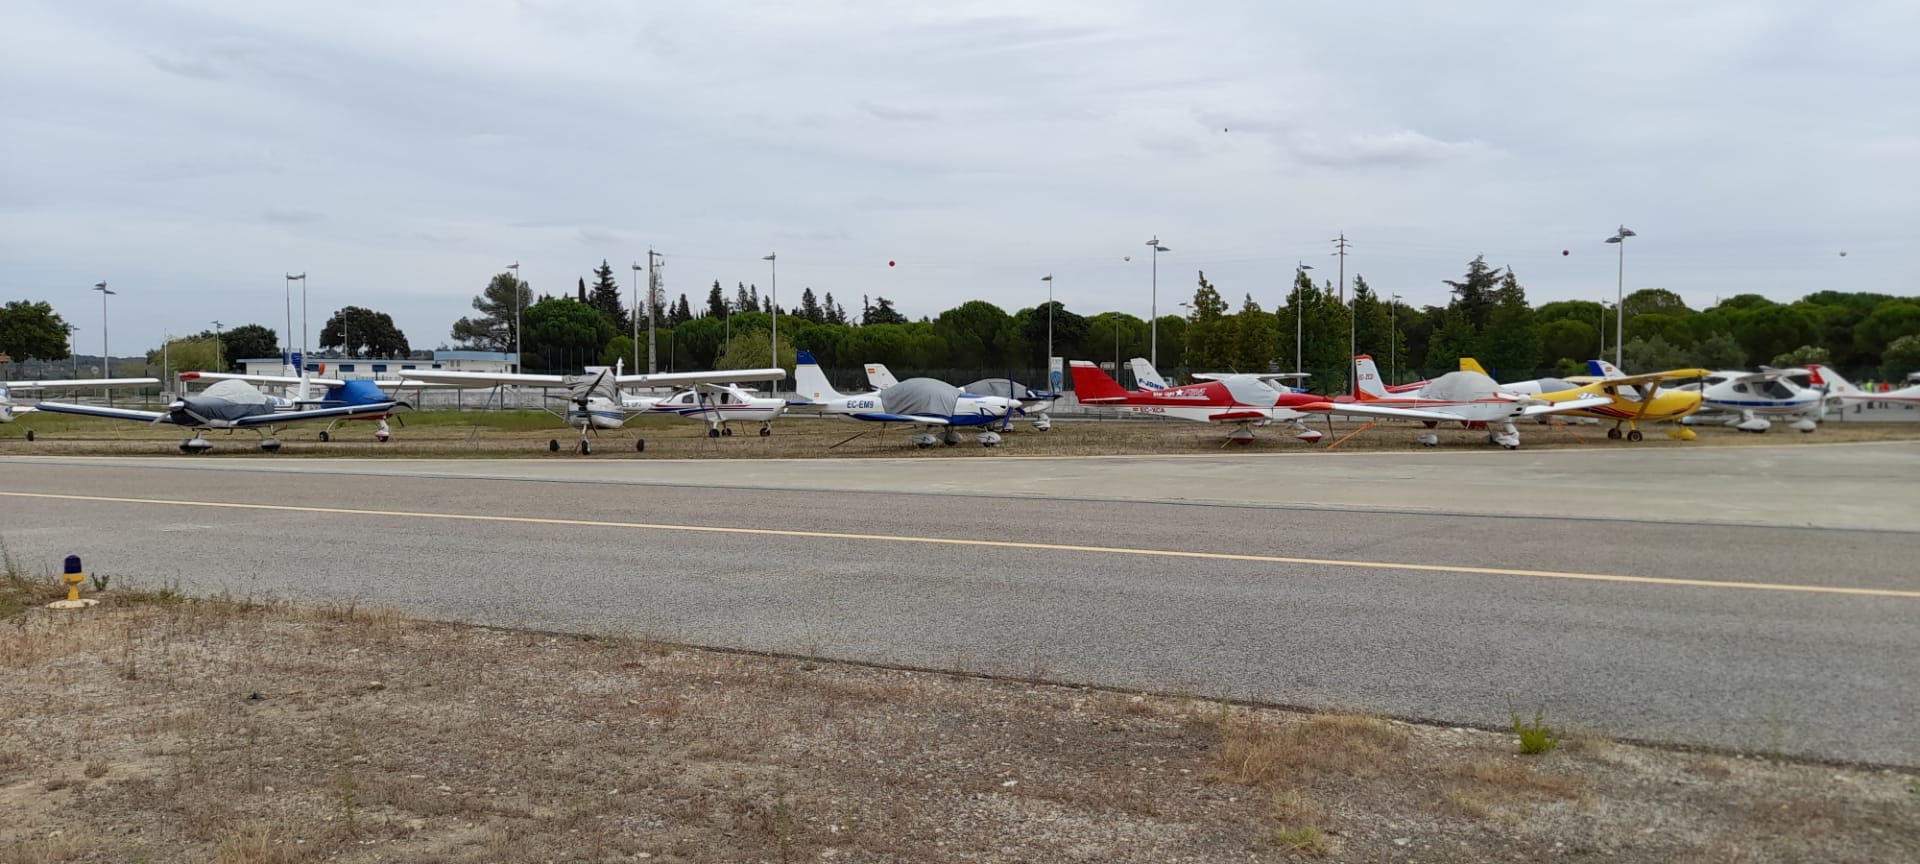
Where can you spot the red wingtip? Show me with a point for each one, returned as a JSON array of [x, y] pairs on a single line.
[[189, 376]]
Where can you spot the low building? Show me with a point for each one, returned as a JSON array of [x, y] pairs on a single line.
[[384, 369]]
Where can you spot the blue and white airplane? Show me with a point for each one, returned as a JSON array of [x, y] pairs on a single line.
[[1030, 403], [235, 404], [921, 402]]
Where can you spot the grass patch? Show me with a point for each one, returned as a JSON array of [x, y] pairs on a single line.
[[1535, 737], [1254, 750], [1306, 840]]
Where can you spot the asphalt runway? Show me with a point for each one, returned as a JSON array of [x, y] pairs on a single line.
[[1674, 595]]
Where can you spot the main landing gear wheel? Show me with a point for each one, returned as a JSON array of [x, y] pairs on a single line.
[[553, 445], [1634, 435], [1614, 433], [585, 448], [29, 435], [726, 431], [639, 445], [713, 432], [324, 437], [765, 431]]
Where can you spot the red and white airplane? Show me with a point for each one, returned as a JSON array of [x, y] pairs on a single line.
[[1243, 400], [1466, 397]]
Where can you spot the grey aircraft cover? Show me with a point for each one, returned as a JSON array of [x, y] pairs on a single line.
[[999, 387], [923, 396]]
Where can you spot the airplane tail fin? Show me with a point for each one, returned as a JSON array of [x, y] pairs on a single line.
[[1092, 385], [809, 382], [1835, 385], [879, 378], [1147, 377], [1604, 369], [1468, 364], [1366, 379]]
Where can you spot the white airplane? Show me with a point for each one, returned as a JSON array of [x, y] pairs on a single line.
[[598, 403], [717, 404], [1149, 378], [921, 402], [1469, 398], [1755, 399], [1033, 404], [8, 408]]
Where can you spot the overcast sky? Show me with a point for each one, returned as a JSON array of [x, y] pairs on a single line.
[[192, 153]]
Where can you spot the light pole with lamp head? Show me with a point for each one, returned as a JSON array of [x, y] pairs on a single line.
[[217, 365], [1051, 384], [773, 303], [1299, 317], [515, 267], [1620, 292], [106, 355], [636, 314], [1153, 308], [303, 312], [70, 349]]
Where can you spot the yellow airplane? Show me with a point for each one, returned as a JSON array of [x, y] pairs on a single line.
[[1636, 398]]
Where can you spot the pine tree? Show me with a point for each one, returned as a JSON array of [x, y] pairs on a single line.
[[743, 302], [1210, 342], [753, 299], [583, 290], [1475, 293], [681, 312], [810, 307], [1511, 341], [832, 311], [1255, 336], [716, 302], [605, 293]]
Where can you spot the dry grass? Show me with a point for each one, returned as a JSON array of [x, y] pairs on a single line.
[[253, 732]]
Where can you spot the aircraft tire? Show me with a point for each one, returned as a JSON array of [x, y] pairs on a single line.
[[713, 432], [727, 431], [553, 445], [1634, 436], [324, 437], [29, 435], [585, 448], [765, 431], [639, 445], [1613, 434]]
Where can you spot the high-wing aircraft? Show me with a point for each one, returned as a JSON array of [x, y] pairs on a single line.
[[1468, 398], [1242, 400], [1754, 399], [8, 408], [233, 405], [1635, 399], [596, 401], [1033, 404], [922, 402]]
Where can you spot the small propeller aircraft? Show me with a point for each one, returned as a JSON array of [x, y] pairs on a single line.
[[8, 408], [1150, 378], [1755, 399], [1634, 399], [1469, 398], [922, 402], [299, 394], [596, 401], [231, 405], [1033, 403], [1242, 400]]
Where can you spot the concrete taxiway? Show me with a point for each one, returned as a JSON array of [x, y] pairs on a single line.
[[1674, 595]]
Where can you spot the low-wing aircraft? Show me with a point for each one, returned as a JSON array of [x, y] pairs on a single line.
[[922, 402], [1635, 399], [1242, 400], [8, 408], [299, 395], [233, 405], [596, 402], [1033, 404], [1469, 398]]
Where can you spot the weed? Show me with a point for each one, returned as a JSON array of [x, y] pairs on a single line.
[[1255, 751], [1535, 737], [1913, 788], [99, 581], [1466, 803], [96, 768], [1306, 840], [1292, 808]]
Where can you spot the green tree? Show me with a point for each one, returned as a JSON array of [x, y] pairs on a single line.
[[185, 354], [362, 332], [1511, 342], [1069, 333], [1210, 342], [1718, 351], [1116, 336], [679, 313], [604, 294], [699, 340], [1256, 335], [1651, 355], [749, 351], [1771, 330], [1887, 322], [882, 312], [1568, 340], [1655, 301], [1475, 293], [493, 328], [979, 335], [566, 333], [1803, 356], [1375, 329], [1902, 358], [248, 342], [32, 329], [833, 313], [716, 301], [810, 307], [1453, 340]]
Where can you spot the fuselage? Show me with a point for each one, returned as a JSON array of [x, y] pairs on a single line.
[[723, 406], [1738, 392], [1629, 403], [969, 410]]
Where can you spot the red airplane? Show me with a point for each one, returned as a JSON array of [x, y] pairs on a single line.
[[1243, 400]]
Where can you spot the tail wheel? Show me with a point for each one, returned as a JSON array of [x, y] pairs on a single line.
[[1634, 435]]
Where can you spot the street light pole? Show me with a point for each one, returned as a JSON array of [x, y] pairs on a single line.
[[1051, 384], [1393, 340], [217, 365], [653, 312], [1619, 238], [70, 350], [773, 291], [1299, 317], [636, 310], [303, 313], [515, 267], [1153, 309], [106, 357]]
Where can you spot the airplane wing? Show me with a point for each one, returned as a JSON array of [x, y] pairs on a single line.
[[280, 418], [258, 379], [1569, 405], [683, 379], [80, 382], [1237, 416], [922, 419], [1369, 409], [480, 379], [1264, 376], [103, 411]]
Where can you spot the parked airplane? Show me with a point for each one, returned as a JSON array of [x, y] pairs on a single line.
[[299, 395], [1754, 399], [1242, 400], [233, 405], [8, 408], [921, 402], [1634, 399], [1032, 403], [1469, 398], [1150, 378], [596, 400]]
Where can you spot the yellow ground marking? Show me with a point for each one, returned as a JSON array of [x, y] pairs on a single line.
[[997, 544]]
